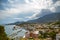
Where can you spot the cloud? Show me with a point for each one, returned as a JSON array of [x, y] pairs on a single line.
[[18, 18], [15, 7], [53, 8], [34, 16]]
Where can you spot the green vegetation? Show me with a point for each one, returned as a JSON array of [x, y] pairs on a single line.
[[54, 23], [3, 35]]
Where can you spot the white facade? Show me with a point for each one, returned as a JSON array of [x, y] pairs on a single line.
[[36, 32], [57, 36]]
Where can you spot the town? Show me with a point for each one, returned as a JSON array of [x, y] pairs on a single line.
[[50, 31]]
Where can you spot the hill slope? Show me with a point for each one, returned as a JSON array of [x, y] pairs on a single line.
[[47, 18]]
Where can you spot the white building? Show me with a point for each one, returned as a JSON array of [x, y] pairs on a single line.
[[58, 36]]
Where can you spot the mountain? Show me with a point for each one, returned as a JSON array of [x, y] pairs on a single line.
[[42, 19], [15, 23], [47, 18]]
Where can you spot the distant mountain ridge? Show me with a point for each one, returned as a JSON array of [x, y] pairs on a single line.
[[44, 19], [15, 23], [47, 18]]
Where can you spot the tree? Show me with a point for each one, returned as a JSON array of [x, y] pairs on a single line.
[[3, 35], [52, 35]]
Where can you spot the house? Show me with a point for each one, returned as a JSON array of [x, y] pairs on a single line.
[[58, 36], [33, 34]]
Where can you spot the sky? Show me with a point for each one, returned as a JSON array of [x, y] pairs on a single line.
[[23, 10]]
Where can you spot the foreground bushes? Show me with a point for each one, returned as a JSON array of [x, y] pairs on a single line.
[[3, 35]]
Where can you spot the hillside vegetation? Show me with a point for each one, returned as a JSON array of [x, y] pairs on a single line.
[[3, 35]]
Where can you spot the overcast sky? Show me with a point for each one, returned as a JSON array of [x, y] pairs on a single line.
[[23, 10]]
